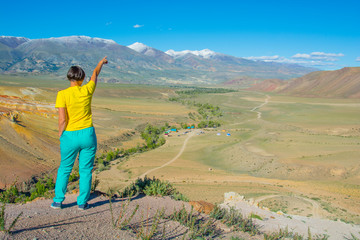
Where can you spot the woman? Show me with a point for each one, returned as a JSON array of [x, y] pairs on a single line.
[[77, 134]]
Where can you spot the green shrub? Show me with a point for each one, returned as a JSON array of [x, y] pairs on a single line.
[[234, 218], [285, 234], [198, 227], [159, 188], [179, 197], [41, 187], [74, 176], [152, 187], [10, 195]]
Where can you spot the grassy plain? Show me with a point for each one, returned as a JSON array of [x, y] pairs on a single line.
[[304, 151], [300, 156]]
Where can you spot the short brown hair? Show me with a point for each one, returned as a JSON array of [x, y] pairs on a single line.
[[75, 73]]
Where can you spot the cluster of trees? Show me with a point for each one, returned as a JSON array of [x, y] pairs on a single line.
[[207, 113], [152, 136], [185, 125], [209, 124], [205, 110], [153, 139], [199, 90]]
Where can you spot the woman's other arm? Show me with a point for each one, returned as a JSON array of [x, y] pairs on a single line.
[[62, 120]]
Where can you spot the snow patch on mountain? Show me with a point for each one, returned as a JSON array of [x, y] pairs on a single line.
[[79, 39], [205, 53], [18, 38], [13, 42], [139, 47]]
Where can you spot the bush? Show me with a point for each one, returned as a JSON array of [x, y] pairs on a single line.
[[74, 176], [198, 227], [233, 218], [10, 195], [159, 188], [152, 187], [39, 188]]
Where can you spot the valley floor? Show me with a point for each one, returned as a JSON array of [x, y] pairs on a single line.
[[295, 155]]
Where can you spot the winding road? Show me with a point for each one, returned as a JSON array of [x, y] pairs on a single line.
[[315, 205], [190, 135], [260, 106]]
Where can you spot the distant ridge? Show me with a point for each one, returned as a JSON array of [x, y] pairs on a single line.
[[136, 63], [343, 83]]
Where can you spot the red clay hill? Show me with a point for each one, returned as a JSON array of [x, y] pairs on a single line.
[[343, 83]]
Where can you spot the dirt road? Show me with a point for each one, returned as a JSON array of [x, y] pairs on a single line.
[[190, 135], [260, 106], [315, 205]]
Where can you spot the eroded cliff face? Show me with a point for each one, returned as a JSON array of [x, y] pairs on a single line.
[[28, 136]]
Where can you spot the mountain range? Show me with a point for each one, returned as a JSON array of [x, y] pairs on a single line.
[[136, 63]]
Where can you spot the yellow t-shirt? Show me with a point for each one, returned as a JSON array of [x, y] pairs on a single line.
[[77, 101]]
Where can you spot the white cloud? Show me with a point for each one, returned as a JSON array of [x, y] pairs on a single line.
[[327, 57], [108, 23], [302, 55], [264, 58], [138, 26], [358, 59], [306, 59], [327, 54], [301, 59]]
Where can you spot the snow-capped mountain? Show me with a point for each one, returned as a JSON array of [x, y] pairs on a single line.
[[81, 39], [13, 42], [151, 52], [139, 47], [205, 53], [137, 63]]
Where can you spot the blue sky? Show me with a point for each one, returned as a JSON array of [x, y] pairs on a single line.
[[323, 34]]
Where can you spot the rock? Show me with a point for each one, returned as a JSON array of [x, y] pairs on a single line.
[[202, 206], [38, 198], [232, 197], [280, 213], [75, 191]]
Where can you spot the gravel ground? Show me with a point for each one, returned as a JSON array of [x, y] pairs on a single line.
[[39, 221], [272, 222]]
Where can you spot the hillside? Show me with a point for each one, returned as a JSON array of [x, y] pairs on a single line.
[[268, 85], [343, 83], [136, 63]]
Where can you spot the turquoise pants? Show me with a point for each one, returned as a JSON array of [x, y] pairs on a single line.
[[72, 143]]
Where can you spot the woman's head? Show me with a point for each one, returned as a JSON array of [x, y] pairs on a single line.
[[76, 73]]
